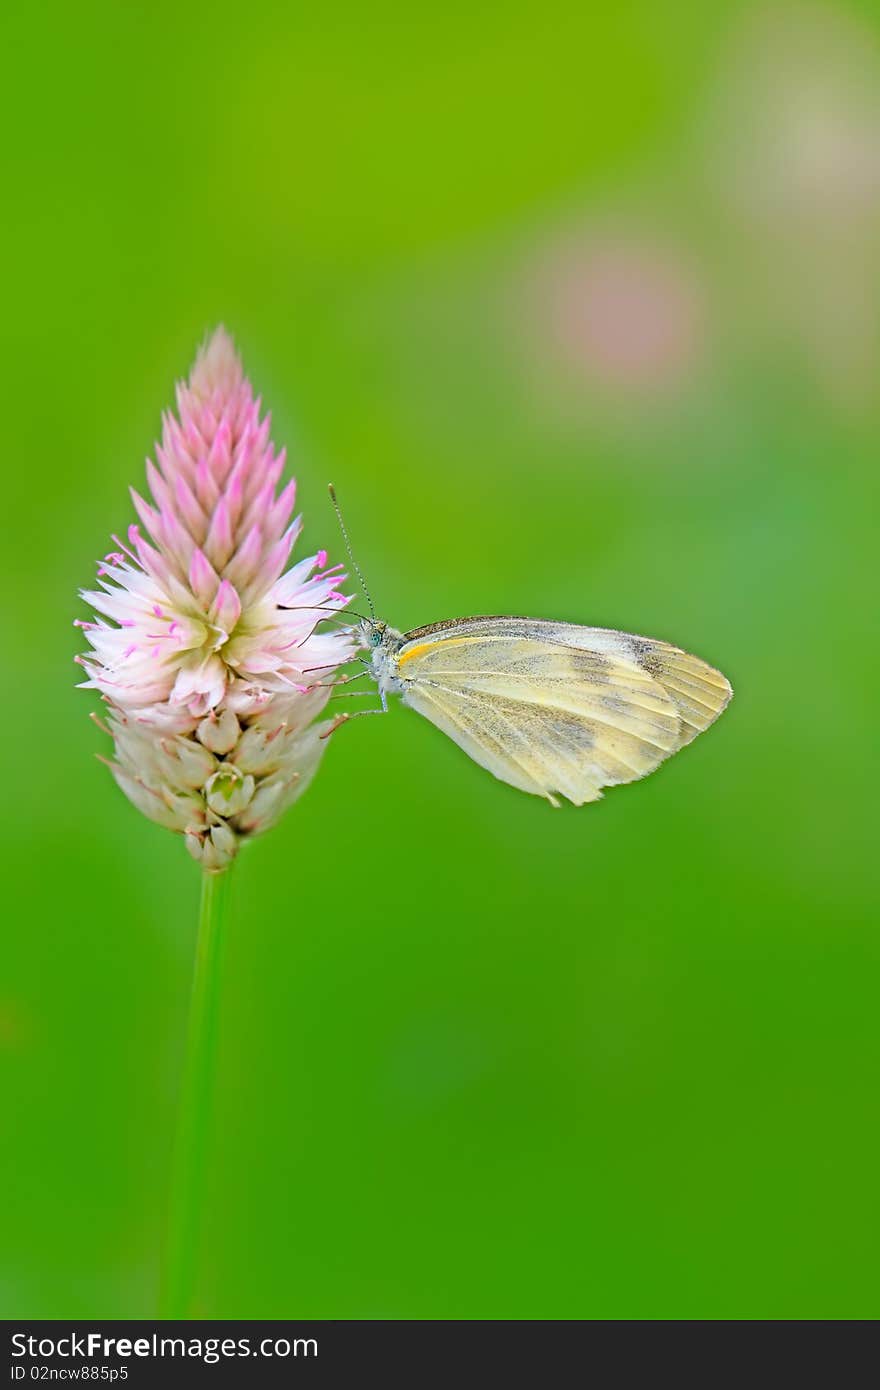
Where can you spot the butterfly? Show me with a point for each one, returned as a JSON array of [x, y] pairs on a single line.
[[552, 708], [549, 707]]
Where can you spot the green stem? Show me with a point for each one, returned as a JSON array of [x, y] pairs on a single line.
[[195, 1105]]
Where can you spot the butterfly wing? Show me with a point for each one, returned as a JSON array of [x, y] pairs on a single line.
[[553, 707]]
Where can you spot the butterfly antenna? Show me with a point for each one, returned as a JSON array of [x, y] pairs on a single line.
[[354, 564]]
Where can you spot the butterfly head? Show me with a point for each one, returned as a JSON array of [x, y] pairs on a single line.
[[373, 633]]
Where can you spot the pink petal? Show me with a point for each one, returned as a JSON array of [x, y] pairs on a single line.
[[244, 562], [203, 578], [219, 542], [226, 608]]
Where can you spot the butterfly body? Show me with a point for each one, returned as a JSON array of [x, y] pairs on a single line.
[[384, 644], [549, 707]]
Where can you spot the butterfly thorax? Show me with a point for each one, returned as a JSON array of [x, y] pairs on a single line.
[[383, 643]]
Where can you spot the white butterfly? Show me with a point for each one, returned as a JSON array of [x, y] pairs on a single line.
[[548, 707]]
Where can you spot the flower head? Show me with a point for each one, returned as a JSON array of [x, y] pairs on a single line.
[[208, 652]]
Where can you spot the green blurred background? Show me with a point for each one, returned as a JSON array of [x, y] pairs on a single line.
[[578, 306]]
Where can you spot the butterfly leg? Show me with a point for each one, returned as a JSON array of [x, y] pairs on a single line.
[[343, 680], [358, 714]]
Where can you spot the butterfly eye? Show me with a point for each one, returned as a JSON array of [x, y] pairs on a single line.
[[375, 639]]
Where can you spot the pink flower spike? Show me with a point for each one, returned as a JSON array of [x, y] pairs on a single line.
[[203, 641]]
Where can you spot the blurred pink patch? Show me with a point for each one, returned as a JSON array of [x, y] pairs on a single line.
[[623, 314], [611, 324]]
